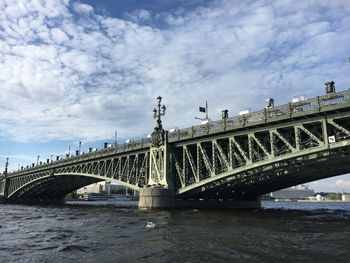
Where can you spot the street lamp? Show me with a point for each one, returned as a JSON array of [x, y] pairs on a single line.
[[6, 167], [157, 136], [157, 114]]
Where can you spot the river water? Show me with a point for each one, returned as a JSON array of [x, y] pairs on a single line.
[[279, 232]]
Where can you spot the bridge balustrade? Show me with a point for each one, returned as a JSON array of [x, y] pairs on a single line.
[[289, 110]]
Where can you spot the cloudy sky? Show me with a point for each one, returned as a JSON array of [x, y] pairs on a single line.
[[79, 70]]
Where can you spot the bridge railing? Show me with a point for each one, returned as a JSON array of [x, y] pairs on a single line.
[[289, 110], [114, 149]]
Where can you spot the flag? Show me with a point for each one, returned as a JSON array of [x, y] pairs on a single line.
[[201, 109]]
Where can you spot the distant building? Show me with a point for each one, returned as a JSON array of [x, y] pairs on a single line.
[[295, 192], [320, 197], [92, 188], [105, 188], [345, 197]]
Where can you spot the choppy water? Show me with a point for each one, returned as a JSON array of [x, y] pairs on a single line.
[[319, 232]]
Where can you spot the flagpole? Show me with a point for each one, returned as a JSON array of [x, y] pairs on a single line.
[[206, 110]]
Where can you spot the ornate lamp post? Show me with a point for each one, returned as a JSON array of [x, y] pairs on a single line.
[[6, 167], [158, 113], [159, 192], [158, 134]]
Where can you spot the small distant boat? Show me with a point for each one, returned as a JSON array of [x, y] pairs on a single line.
[[95, 197], [283, 200]]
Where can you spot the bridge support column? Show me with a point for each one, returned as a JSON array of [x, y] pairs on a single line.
[[155, 198], [159, 192], [3, 189]]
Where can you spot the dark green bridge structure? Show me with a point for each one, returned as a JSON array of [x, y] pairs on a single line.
[[231, 161]]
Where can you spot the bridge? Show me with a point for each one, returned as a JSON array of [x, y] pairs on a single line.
[[231, 161]]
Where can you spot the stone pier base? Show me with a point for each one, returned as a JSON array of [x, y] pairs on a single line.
[[155, 198], [162, 198]]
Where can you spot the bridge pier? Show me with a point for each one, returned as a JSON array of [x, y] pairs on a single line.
[[162, 198], [156, 198]]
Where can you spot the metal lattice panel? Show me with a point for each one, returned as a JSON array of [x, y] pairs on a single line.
[[127, 169], [203, 164]]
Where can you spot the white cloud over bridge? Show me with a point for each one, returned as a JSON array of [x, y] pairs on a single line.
[[67, 71]]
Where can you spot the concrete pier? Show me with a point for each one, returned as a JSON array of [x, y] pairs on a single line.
[[163, 198], [155, 198]]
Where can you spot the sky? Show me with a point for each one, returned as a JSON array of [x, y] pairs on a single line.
[[75, 71]]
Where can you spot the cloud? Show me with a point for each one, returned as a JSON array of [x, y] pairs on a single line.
[[140, 15], [67, 72], [82, 8], [345, 184], [58, 36]]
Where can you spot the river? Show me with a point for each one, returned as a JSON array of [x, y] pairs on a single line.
[[279, 232]]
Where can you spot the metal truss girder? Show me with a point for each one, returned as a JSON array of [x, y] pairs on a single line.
[[125, 167], [89, 168], [253, 152], [134, 166], [109, 168], [275, 132], [159, 166], [156, 167], [222, 155], [207, 164], [117, 168], [184, 164], [192, 165], [96, 168], [262, 147], [102, 170], [263, 164], [144, 168], [301, 127], [239, 159], [179, 171], [339, 127], [244, 155], [297, 138], [132, 169], [199, 167]]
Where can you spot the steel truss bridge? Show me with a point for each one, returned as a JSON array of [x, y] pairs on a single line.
[[237, 158]]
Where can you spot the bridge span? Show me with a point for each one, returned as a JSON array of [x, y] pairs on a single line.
[[232, 160]]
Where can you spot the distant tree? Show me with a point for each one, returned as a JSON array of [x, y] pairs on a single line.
[[74, 196], [333, 196]]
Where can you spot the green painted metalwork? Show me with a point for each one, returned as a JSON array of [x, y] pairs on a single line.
[[234, 158]]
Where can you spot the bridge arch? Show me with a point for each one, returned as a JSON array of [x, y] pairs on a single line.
[[54, 187]]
